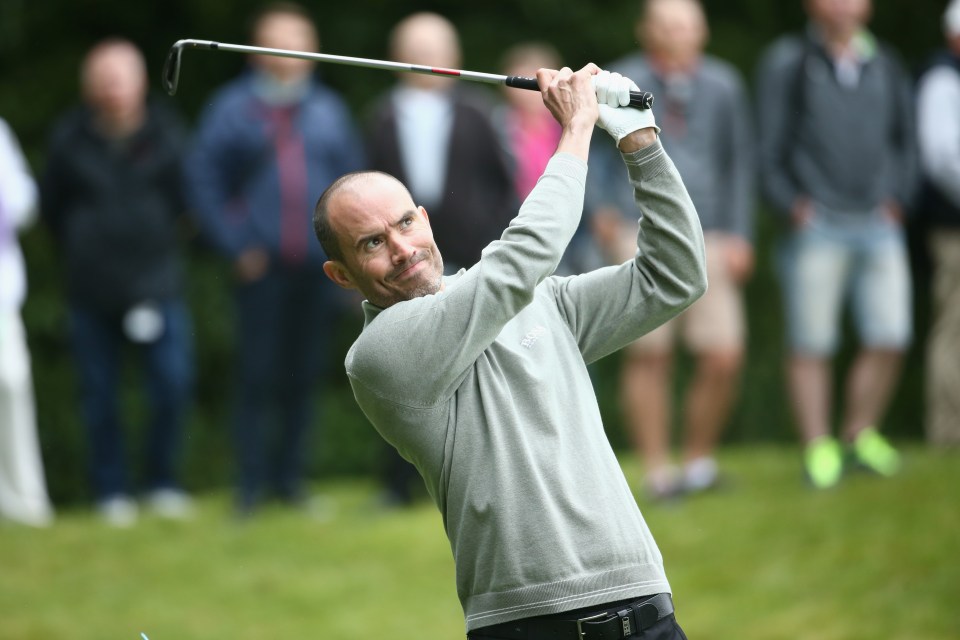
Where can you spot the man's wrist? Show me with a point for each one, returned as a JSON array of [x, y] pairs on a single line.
[[639, 139]]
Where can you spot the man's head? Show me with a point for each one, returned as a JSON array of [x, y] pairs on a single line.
[[839, 19], [951, 26], [673, 30], [426, 39], [377, 240], [113, 81], [526, 59], [284, 25]]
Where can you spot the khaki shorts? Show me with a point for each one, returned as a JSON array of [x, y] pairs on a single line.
[[715, 322]]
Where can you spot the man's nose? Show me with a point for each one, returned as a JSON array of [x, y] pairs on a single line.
[[401, 249]]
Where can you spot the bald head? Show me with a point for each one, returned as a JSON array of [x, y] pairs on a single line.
[[347, 189], [113, 80], [426, 39]]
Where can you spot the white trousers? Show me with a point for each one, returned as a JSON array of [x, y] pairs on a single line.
[[23, 489]]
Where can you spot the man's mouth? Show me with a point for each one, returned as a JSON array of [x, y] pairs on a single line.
[[410, 267]]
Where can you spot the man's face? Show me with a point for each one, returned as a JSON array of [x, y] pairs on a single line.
[[285, 31], [674, 28], [840, 16], [389, 254], [114, 82]]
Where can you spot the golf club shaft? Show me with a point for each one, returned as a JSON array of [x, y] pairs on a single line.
[[171, 69]]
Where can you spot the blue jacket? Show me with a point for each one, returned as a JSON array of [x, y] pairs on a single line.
[[255, 171]]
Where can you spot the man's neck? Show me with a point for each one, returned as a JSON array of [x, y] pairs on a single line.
[[120, 126], [669, 65]]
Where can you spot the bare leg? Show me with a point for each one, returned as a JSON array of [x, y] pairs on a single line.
[[869, 386], [645, 397], [709, 400], [808, 381]]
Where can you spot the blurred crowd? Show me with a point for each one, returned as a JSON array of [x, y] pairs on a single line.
[[842, 142]]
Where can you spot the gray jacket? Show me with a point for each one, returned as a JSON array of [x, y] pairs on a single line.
[[848, 148], [484, 388]]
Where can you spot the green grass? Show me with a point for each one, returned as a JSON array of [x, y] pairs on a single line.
[[765, 559]]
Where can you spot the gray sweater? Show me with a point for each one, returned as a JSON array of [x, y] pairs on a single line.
[[484, 387], [846, 148]]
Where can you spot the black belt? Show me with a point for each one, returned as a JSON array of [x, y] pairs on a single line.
[[623, 621]]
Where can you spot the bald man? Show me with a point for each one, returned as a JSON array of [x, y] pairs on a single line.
[[438, 137], [704, 113], [111, 194], [480, 378]]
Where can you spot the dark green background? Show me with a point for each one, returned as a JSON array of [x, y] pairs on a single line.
[[42, 42]]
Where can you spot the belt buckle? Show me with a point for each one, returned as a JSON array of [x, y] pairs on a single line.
[[580, 632]]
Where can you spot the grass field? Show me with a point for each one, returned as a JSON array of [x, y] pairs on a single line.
[[765, 559]]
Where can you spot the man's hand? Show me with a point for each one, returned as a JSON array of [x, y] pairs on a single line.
[[632, 128], [571, 99]]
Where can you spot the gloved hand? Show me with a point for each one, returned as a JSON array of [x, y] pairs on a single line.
[[616, 118]]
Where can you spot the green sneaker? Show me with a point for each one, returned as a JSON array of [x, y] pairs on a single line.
[[873, 452], [823, 461]]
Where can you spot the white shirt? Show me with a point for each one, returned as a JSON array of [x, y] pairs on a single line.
[[18, 201], [938, 129], [424, 120]]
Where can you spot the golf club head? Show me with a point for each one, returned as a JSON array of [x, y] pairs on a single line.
[[171, 68]]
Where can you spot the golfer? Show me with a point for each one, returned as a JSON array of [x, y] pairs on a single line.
[[480, 378]]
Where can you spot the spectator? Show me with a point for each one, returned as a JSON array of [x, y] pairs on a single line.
[[267, 142], [437, 136], [23, 490], [839, 165], [111, 196], [938, 119], [529, 132], [705, 124]]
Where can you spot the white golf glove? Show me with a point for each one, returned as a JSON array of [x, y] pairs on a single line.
[[616, 118]]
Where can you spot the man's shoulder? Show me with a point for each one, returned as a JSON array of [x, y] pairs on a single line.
[[785, 51], [720, 72]]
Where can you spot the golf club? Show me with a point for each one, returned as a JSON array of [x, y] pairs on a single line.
[[171, 68]]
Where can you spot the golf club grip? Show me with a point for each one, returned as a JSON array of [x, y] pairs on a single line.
[[638, 99]]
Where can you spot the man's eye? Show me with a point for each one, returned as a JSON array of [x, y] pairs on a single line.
[[406, 222], [372, 243]]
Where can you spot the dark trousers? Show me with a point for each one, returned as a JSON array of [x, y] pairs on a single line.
[[285, 321], [664, 629], [98, 341]]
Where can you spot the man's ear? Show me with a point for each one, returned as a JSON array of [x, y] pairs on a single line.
[[336, 272], [423, 212]]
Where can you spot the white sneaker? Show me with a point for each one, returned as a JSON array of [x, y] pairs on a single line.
[[171, 504], [700, 474], [118, 511]]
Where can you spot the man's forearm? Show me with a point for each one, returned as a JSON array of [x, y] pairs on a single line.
[[575, 139], [637, 140]]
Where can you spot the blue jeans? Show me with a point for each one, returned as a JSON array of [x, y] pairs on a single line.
[[167, 362], [825, 263], [285, 321]]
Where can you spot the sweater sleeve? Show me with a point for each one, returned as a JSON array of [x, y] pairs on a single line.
[[211, 179], [776, 79], [608, 308], [741, 162], [442, 335]]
